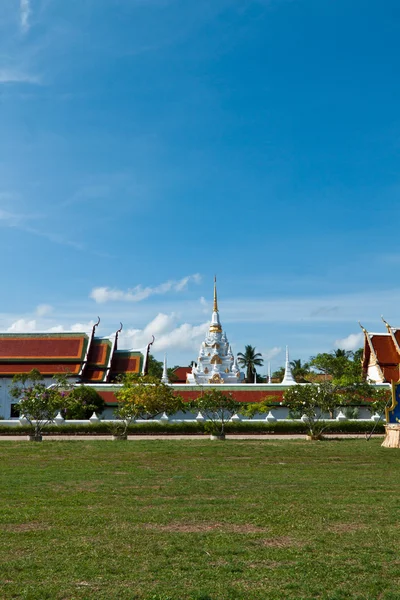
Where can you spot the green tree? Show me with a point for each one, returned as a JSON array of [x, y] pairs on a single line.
[[154, 367], [82, 402], [250, 359], [342, 366], [38, 402], [218, 407], [144, 397], [279, 374], [314, 401]]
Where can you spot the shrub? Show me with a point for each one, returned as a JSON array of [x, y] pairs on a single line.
[[82, 402]]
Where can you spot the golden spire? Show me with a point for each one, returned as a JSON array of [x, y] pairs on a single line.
[[215, 308], [215, 326]]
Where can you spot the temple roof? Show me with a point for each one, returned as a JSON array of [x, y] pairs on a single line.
[[381, 357], [91, 359], [50, 353]]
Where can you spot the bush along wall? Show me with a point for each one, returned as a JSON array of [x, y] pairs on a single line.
[[245, 427]]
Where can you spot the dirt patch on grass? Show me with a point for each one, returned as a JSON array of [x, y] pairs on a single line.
[[23, 527], [204, 527], [346, 527]]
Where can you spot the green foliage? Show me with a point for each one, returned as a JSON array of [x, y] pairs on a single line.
[[154, 367], [300, 370], [249, 360], [38, 402], [313, 401], [144, 397], [249, 409], [351, 412], [192, 428], [218, 407], [342, 366], [380, 399], [82, 402]]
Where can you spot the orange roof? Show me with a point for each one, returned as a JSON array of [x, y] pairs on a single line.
[[49, 353], [77, 354]]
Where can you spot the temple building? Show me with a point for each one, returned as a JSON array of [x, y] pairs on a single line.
[[84, 358], [381, 357], [216, 363]]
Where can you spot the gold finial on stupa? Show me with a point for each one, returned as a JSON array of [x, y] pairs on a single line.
[[215, 308]]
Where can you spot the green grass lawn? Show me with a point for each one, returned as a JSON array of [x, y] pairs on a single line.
[[170, 520]]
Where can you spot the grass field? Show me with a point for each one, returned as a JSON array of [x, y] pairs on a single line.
[[170, 520]]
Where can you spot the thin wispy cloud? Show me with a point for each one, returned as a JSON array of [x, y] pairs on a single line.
[[13, 75], [21, 222], [9, 219], [139, 293], [24, 13]]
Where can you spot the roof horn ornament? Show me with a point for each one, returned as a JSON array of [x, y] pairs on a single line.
[[388, 327]]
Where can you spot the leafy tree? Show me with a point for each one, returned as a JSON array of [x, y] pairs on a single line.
[[342, 366], [144, 397], [249, 409], [38, 402], [250, 359], [218, 407], [313, 401], [82, 402], [381, 399], [154, 367]]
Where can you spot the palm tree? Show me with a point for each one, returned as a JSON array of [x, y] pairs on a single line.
[[300, 370], [249, 360]]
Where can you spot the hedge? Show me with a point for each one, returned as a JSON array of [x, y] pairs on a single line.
[[280, 427]]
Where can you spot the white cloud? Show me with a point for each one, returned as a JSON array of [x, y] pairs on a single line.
[[32, 326], [138, 293], [351, 342], [76, 327], [270, 354], [24, 13], [22, 326], [168, 334], [43, 309]]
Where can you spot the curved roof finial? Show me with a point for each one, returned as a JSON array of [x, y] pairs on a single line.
[[363, 328], [98, 323], [120, 329], [386, 323]]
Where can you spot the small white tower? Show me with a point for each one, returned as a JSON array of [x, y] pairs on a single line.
[[288, 378], [164, 378]]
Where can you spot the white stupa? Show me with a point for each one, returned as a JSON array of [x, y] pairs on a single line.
[[288, 378], [216, 363]]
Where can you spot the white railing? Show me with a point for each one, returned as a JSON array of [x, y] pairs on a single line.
[[269, 418]]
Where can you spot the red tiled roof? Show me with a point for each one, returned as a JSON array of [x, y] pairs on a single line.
[[180, 373], [386, 353], [385, 349]]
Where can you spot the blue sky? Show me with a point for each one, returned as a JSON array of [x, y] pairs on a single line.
[[146, 145]]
